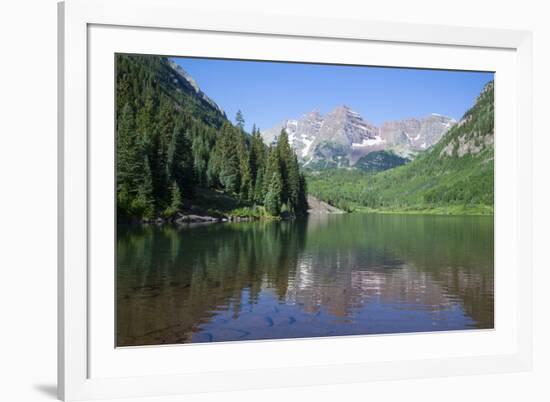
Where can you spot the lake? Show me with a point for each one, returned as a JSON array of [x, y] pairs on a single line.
[[327, 275]]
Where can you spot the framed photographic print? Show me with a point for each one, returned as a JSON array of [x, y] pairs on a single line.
[[242, 198]]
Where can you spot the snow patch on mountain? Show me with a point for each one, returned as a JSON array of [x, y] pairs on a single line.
[[342, 137], [307, 146], [369, 142]]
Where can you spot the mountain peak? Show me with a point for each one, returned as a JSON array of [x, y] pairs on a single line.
[[342, 136], [344, 109], [314, 114]]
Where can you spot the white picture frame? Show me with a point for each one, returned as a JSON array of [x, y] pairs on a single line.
[[90, 367]]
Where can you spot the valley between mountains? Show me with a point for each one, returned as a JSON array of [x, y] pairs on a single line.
[[181, 159]]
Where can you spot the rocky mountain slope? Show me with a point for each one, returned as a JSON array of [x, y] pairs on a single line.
[[318, 207], [342, 137], [474, 133], [141, 78], [182, 78]]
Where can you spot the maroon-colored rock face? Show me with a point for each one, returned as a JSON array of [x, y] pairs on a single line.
[[342, 137]]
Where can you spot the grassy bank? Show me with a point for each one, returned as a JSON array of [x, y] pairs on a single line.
[[431, 210], [255, 212]]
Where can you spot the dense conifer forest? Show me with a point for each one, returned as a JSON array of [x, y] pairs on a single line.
[[177, 151]]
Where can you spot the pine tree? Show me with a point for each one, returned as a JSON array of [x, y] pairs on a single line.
[[302, 206], [257, 153], [167, 122], [201, 152], [160, 134], [252, 157], [143, 205], [180, 160], [239, 119], [175, 201], [228, 159], [285, 154], [130, 166], [273, 183], [244, 167], [126, 147], [259, 194], [214, 167], [293, 182], [272, 200], [145, 118]]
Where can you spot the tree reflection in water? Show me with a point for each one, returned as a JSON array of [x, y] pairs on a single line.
[[327, 275]]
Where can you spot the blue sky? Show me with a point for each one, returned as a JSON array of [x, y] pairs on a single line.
[[268, 92]]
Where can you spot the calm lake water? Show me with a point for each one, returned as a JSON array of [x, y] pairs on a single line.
[[328, 275]]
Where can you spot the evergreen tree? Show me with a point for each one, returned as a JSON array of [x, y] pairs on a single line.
[[228, 159], [175, 201], [160, 137], [180, 160], [259, 193], [167, 122], [126, 149], [302, 206], [273, 196], [143, 205], [145, 118], [239, 119], [293, 182], [130, 166], [284, 153], [252, 158], [273, 183], [257, 154], [201, 152], [213, 169], [215, 160], [256, 163], [290, 172], [244, 167]]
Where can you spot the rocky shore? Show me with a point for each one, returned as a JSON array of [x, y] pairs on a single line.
[[199, 215], [196, 217]]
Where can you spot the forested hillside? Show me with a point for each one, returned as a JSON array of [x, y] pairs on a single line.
[[454, 176], [176, 151], [380, 160]]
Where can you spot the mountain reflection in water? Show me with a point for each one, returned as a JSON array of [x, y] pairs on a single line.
[[328, 275]]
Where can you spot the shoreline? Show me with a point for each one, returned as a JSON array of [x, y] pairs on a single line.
[[443, 211], [317, 207], [205, 219]]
